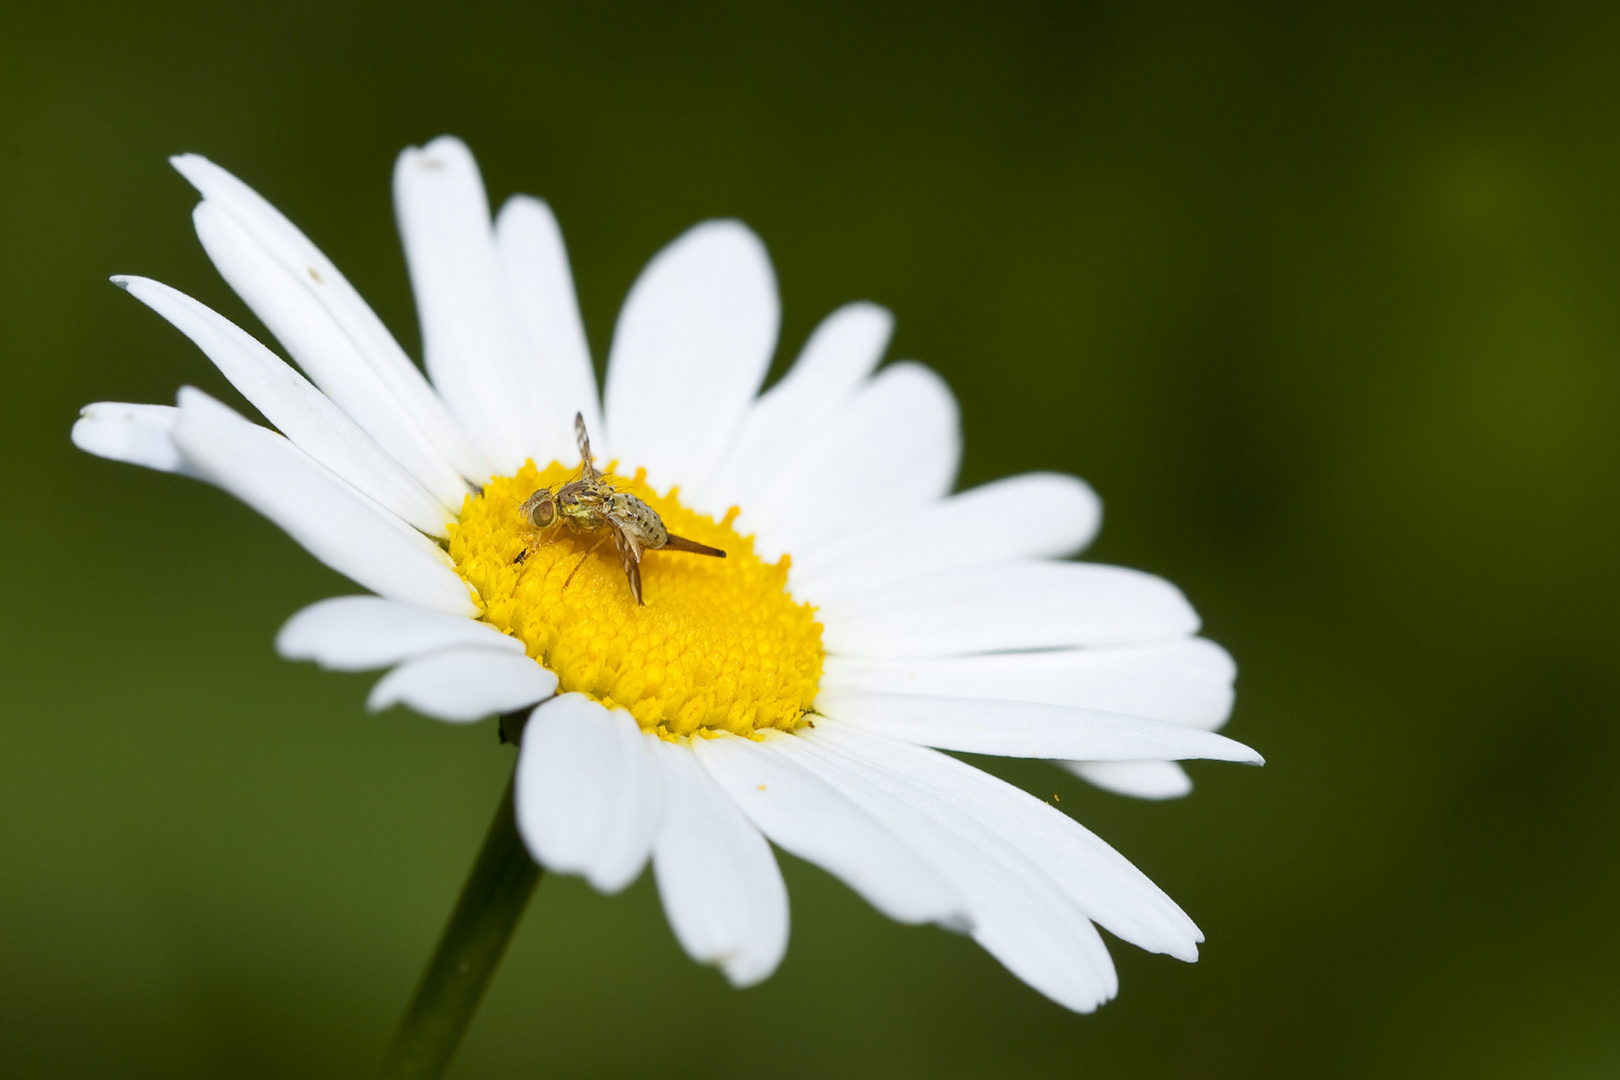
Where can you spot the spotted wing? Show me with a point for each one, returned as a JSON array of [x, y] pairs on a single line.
[[630, 558], [588, 470]]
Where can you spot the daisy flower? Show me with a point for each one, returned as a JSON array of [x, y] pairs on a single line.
[[798, 692]]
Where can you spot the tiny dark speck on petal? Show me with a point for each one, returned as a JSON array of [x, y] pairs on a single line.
[[315, 274]]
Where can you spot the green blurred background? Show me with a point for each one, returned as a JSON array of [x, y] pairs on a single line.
[[1323, 299]]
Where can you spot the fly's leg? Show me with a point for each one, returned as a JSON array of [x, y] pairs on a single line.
[[583, 557]]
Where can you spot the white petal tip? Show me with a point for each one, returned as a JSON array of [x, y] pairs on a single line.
[[872, 310], [1188, 955], [1153, 781], [136, 434], [288, 646], [464, 685], [744, 972], [606, 884], [613, 886], [1229, 749], [188, 165], [430, 156]]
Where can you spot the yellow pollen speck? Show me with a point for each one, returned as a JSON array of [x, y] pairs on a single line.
[[720, 645]]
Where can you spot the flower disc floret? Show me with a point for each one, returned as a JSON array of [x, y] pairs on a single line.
[[720, 645]]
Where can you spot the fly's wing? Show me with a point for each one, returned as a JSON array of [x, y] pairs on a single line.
[[588, 470], [681, 543], [632, 571], [630, 557]]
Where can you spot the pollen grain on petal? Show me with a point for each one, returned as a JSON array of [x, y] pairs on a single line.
[[720, 644]]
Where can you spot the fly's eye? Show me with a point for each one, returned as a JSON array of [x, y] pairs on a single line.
[[544, 513]]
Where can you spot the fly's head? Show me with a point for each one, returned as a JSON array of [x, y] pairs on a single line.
[[540, 509]]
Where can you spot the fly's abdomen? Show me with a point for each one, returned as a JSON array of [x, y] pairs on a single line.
[[627, 508]]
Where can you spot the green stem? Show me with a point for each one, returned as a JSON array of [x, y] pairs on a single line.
[[491, 903]]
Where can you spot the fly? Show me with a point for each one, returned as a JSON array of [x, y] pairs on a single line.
[[591, 502]]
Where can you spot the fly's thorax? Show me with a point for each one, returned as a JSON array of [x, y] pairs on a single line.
[[586, 493], [581, 502], [578, 516]]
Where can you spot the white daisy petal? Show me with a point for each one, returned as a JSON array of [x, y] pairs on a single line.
[[286, 303], [806, 817], [831, 368], [1037, 515], [1019, 605], [1138, 779], [590, 796], [1102, 881], [1024, 729], [328, 518], [362, 633], [302, 413], [469, 338], [137, 434], [1188, 681], [690, 350], [464, 684], [540, 288], [720, 884], [305, 262], [1021, 915], [896, 445]]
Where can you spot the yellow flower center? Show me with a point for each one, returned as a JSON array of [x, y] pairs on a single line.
[[719, 645]]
